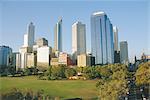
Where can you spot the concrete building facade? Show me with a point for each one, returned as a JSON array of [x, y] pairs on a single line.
[[78, 39]]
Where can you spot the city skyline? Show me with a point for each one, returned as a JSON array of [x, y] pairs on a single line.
[[126, 30]]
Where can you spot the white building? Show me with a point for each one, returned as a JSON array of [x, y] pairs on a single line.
[[78, 39], [24, 51], [27, 46], [18, 61], [25, 40], [124, 52], [31, 60], [43, 56]]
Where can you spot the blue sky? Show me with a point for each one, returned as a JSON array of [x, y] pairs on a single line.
[[131, 18]]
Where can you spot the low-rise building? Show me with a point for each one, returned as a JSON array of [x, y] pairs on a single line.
[[54, 61], [24, 51], [65, 59], [31, 60], [85, 60], [5, 53]]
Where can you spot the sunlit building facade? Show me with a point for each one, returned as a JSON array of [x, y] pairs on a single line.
[[102, 45], [58, 36], [78, 39]]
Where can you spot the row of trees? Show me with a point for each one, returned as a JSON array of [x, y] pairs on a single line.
[[7, 70], [58, 72], [16, 94], [91, 72], [143, 74], [142, 81], [11, 71], [113, 83]]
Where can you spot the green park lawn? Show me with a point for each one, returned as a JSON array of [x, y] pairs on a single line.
[[56, 88]]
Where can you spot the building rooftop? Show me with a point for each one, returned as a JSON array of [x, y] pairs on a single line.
[[99, 13]]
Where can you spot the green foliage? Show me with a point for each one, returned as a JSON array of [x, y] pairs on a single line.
[[143, 74], [7, 70], [55, 72], [16, 94], [58, 72], [69, 72], [12, 70], [113, 82], [91, 73], [30, 71]]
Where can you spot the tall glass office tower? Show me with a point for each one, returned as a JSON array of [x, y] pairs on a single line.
[[58, 36], [102, 38], [29, 37], [124, 52], [31, 31]]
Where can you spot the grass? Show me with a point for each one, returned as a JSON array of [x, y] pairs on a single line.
[[57, 88]]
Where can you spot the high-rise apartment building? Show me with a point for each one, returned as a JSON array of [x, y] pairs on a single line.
[[102, 45], [78, 39], [58, 36], [124, 52]]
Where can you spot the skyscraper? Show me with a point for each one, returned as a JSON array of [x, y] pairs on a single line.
[[116, 49], [28, 45], [29, 37], [31, 31], [102, 38], [78, 39], [58, 36], [115, 30], [124, 52]]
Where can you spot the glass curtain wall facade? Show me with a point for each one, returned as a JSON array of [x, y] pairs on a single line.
[[31, 30], [58, 36], [5, 52], [102, 38]]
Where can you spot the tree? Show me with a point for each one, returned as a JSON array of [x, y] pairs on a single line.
[[69, 72], [91, 73], [12, 70], [113, 82], [58, 72], [143, 74]]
